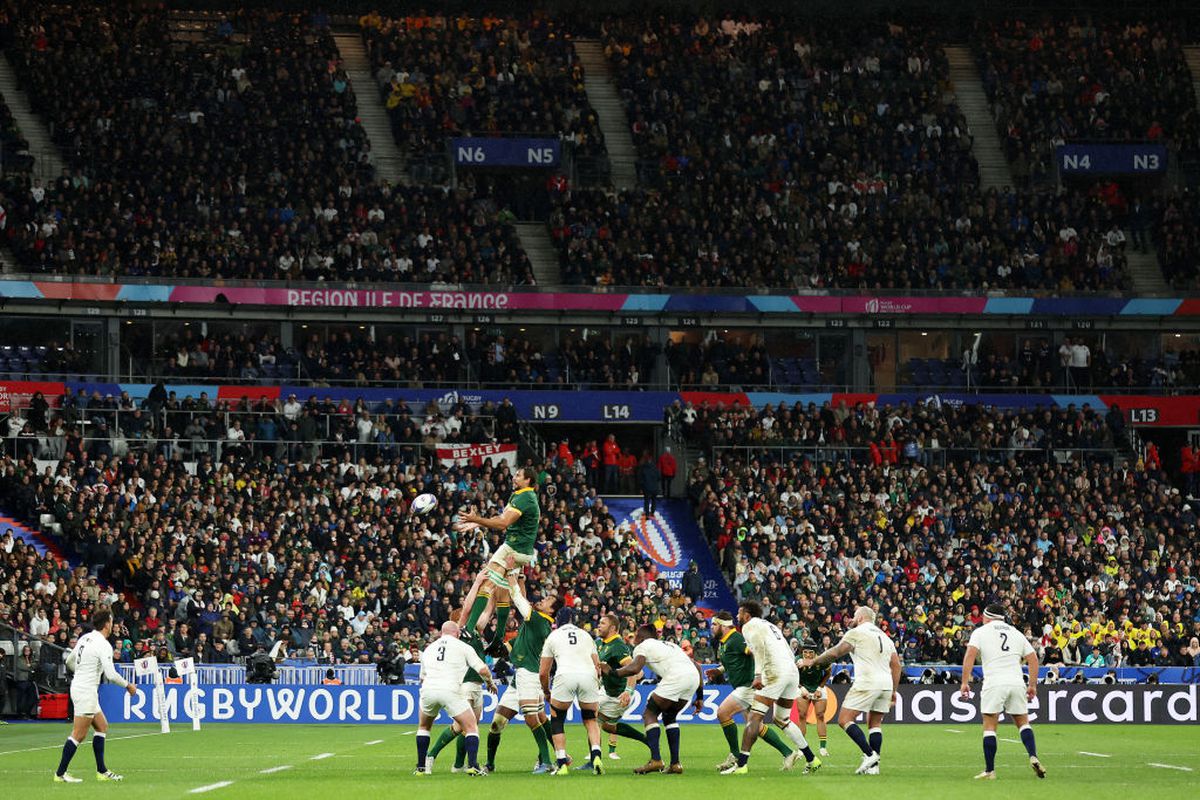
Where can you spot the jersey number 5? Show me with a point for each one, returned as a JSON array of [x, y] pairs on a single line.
[[571, 638]]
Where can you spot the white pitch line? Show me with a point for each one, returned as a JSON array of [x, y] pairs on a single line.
[[1093, 755], [1011, 741], [59, 746], [953, 730], [375, 741], [270, 770], [210, 787], [1169, 766], [409, 733], [320, 756]]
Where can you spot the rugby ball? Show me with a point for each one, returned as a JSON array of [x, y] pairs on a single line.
[[424, 503]]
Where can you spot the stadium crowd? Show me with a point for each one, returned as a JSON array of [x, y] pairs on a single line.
[[1090, 549]]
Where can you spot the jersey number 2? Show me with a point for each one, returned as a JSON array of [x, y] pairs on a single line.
[[1004, 642]]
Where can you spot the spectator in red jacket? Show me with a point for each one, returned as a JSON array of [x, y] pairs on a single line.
[[1187, 457], [666, 470], [612, 459]]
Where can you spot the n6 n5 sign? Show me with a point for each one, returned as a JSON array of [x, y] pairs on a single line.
[[615, 411]]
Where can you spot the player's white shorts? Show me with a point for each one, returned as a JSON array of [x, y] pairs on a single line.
[[610, 708], [743, 696], [1003, 700], [528, 685], [510, 700], [814, 696], [570, 688], [85, 701], [500, 557], [784, 687], [473, 692], [678, 686], [879, 700], [434, 700]]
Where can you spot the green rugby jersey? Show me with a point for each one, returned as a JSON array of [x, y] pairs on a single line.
[[736, 661], [812, 677], [522, 534], [616, 653], [472, 676], [527, 647]]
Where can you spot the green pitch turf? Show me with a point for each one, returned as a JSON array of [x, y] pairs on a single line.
[[335, 761]]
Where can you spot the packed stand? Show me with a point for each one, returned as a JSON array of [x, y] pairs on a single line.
[[1053, 81], [1091, 553], [441, 77], [1176, 237], [147, 193], [599, 362], [714, 361], [324, 555]]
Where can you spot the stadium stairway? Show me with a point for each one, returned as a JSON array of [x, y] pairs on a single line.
[[614, 124], [42, 542], [389, 161], [1144, 270], [994, 172], [543, 257], [1192, 55], [47, 161]]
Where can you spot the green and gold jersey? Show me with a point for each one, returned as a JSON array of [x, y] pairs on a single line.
[[527, 647], [736, 661], [616, 653], [813, 677], [472, 676], [522, 534]]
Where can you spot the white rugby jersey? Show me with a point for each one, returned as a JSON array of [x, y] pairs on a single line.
[[573, 651], [872, 656], [665, 659], [92, 659], [772, 653], [445, 662], [1001, 648]]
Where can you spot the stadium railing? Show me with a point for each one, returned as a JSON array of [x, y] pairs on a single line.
[[49, 660]]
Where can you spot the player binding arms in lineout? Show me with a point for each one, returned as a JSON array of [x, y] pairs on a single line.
[[1001, 648], [491, 590], [443, 664]]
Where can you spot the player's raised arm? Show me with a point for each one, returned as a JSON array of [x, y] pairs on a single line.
[[496, 523], [633, 667], [967, 668], [518, 597]]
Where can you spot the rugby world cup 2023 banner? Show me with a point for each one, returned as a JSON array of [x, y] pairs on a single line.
[[1159, 704], [671, 538]]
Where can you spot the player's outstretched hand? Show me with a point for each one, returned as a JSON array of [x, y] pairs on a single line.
[[965, 690], [895, 696], [711, 674], [511, 562], [605, 668], [698, 705], [132, 690], [1031, 691], [465, 527], [625, 699]]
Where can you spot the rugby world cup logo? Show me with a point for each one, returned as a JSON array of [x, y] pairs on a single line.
[[656, 539]]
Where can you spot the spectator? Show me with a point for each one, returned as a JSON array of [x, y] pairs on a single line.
[[667, 469]]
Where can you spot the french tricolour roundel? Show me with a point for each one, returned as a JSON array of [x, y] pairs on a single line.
[[656, 539]]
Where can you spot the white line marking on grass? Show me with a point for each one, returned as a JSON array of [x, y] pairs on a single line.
[[89, 742], [210, 787], [1011, 741], [953, 730], [1093, 755], [375, 741], [270, 770], [1169, 766], [320, 756], [409, 733]]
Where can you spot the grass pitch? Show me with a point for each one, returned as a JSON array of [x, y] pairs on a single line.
[[292, 761]]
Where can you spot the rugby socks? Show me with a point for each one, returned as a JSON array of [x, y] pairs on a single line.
[[673, 741], [502, 612], [422, 747], [743, 758], [560, 757], [629, 732], [824, 742], [652, 734], [477, 608], [67, 754], [98, 751], [471, 743], [877, 740], [859, 738], [442, 742], [772, 737], [797, 736], [542, 737], [1028, 740], [730, 730], [596, 752], [460, 750], [989, 751], [493, 744]]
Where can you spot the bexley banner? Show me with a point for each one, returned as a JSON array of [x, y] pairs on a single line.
[[673, 540], [474, 455], [1159, 704]]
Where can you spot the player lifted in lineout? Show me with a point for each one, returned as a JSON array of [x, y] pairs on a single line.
[[443, 664], [737, 669], [776, 683], [680, 681], [491, 589], [573, 656], [1001, 648], [876, 679], [90, 659]]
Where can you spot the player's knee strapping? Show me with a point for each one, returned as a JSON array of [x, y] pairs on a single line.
[[531, 709], [586, 714], [558, 721], [498, 724], [668, 718]]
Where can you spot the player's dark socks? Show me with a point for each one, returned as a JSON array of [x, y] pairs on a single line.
[[807, 753], [98, 740], [629, 732], [480, 605], [772, 737], [596, 752], [422, 748], [743, 758], [859, 738], [502, 612], [446, 737], [471, 746], [612, 748], [652, 734], [989, 751], [1029, 742], [731, 738], [560, 758], [68, 753], [824, 742], [876, 740], [673, 741], [541, 736], [493, 744], [460, 750]]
